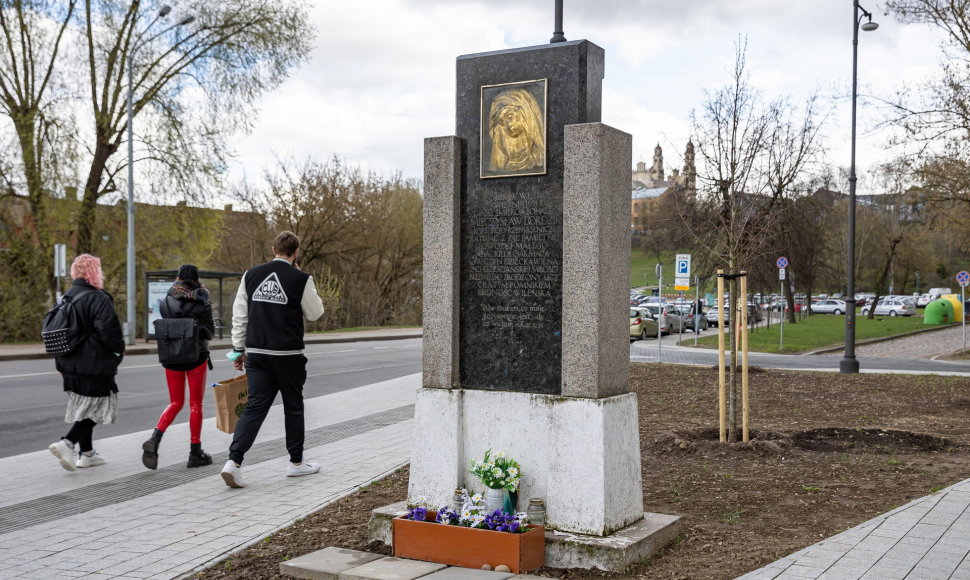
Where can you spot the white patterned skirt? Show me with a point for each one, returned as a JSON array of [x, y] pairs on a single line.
[[101, 410]]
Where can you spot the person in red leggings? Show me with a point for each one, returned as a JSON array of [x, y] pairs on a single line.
[[187, 298]]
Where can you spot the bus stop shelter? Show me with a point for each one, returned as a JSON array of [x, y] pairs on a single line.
[[158, 282]]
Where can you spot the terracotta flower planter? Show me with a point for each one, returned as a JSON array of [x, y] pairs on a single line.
[[468, 547]]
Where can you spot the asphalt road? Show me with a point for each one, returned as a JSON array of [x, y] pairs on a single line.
[[32, 401]]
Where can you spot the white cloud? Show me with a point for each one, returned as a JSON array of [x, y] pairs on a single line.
[[382, 75]]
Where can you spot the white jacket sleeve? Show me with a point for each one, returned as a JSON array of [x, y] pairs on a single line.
[[312, 303], [240, 316]]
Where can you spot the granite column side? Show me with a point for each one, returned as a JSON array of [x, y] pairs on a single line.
[[596, 261], [442, 195]]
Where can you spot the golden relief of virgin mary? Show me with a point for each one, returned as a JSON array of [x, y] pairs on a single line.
[[516, 129]]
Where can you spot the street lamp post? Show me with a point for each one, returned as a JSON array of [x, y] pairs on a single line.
[[849, 363], [131, 324]]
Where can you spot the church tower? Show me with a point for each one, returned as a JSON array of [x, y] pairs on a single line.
[[657, 171], [690, 170]]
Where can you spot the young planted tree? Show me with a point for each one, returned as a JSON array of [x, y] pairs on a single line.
[[752, 154]]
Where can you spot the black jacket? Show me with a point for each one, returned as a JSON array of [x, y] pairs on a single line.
[[97, 357], [187, 301], [274, 291]]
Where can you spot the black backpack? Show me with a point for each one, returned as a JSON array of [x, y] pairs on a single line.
[[62, 330], [177, 338]]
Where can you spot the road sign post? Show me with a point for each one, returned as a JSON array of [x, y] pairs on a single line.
[[782, 263], [60, 265], [659, 269], [963, 278]]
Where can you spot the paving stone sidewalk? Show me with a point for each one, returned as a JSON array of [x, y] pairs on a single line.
[[926, 539], [120, 520]]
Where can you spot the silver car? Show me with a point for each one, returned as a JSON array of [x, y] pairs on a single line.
[[830, 306], [892, 307]]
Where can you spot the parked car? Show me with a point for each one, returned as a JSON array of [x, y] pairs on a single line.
[[923, 300], [712, 316], [687, 312], [891, 307], [642, 324], [829, 306], [659, 313]]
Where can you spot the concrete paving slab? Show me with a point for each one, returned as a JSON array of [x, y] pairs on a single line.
[[454, 573], [325, 564], [390, 568]]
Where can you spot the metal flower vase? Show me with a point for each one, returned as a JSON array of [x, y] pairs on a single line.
[[498, 499]]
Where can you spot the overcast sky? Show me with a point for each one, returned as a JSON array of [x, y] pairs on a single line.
[[382, 75]]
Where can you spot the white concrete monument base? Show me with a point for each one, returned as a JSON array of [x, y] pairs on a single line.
[[581, 456]]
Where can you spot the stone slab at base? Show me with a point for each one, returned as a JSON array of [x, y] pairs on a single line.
[[469, 574], [613, 553], [325, 564], [389, 568], [617, 551]]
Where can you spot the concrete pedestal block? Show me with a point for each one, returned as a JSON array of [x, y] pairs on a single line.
[[582, 456]]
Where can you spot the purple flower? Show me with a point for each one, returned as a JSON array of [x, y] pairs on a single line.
[[447, 516], [502, 522], [417, 513]]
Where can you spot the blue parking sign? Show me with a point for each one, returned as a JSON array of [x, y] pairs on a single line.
[[682, 266]]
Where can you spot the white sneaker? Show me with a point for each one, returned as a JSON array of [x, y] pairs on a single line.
[[232, 474], [305, 468], [90, 460], [64, 453]]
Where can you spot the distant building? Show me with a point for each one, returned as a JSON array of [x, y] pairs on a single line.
[[649, 185]]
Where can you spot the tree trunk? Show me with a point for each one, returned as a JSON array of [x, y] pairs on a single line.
[[89, 203], [733, 381]]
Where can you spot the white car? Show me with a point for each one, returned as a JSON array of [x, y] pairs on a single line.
[[892, 307], [830, 306], [712, 315], [923, 300]]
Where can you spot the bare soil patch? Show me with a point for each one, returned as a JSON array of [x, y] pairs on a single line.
[[827, 452]]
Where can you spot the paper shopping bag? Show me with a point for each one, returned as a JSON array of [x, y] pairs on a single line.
[[231, 396]]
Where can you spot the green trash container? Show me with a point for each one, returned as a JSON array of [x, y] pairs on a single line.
[[939, 311]]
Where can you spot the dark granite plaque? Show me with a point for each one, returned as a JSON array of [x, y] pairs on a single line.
[[510, 335]]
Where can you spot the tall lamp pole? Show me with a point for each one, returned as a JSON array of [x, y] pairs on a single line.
[[131, 324], [849, 363]]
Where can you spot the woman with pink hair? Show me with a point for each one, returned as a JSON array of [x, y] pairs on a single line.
[[89, 370]]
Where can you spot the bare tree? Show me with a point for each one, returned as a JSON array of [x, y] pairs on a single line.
[[32, 34], [751, 156], [196, 84], [361, 236]]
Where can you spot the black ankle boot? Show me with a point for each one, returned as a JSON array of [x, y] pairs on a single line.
[[149, 457], [197, 457]]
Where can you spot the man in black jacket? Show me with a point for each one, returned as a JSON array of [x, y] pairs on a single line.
[[267, 332]]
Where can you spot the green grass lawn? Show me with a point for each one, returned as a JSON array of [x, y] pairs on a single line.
[[817, 331]]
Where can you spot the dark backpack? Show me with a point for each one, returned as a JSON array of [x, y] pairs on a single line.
[[62, 330], [177, 338]]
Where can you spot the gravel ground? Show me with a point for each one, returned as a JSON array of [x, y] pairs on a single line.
[[924, 345]]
